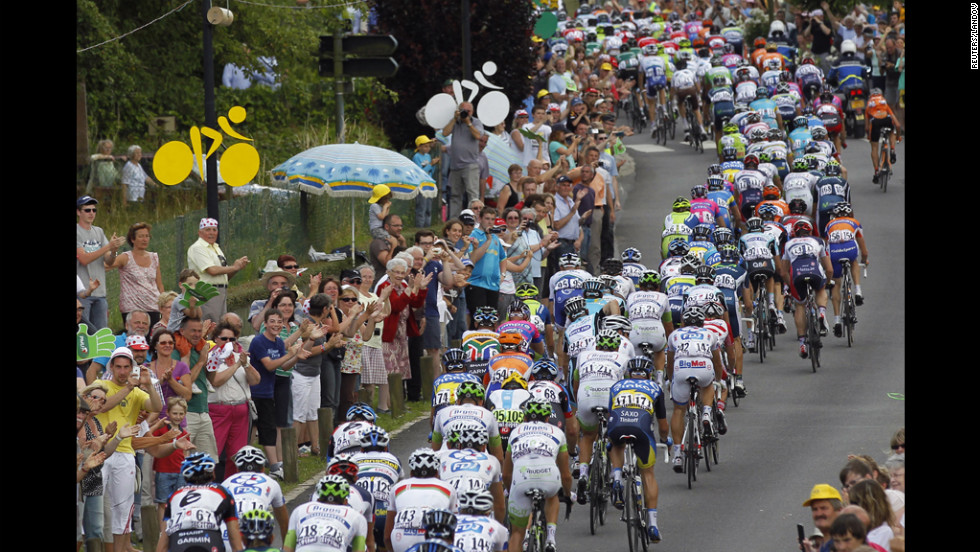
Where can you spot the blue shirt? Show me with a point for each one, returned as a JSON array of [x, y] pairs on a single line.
[[432, 297], [486, 271], [262, 347]]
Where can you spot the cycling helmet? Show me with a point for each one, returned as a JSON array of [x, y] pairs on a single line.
[[832, 168], [729, 128], [689, 263], [454, 359], [807, 61], [520, 309], [611, 267], [827, 95], [677, 248], [649, 49], [608, 282], [797, 206], [729, 153], [765, 156], [875, 92], [701, 232], [439, 524], [639, 366], [757, 134], [485, 316], [197, 463], [729, 254], [527, 290], [650, 279], [684, 43], [512, 341], [257, 524], [424, 459], [751, 159], [568, 259], [374, 436], [608, 340], [537, 408], [802, 228], [363, 411], [715, 168], [479, 501], [800, 122], [759, 43], [469, 435], [592, 288], [848, 47], [811, 147], [807, 110], [433, 545], [575, 307], [776, 26], [812, 161], [762, 93], [800, 164], [769, 211], [470, 390], [344, 468], [514, 381], [699, 191], [723, 235], [617, 322], [332, 488], [754, 224], [753, 117], [704, 274], [545, 369], [250, 459], [631, 255], [716, 183], [716, 62], [782, 88], [682, 204], [771, 191], [819, 133], [785, 76], [843, 209], [693, 316], [774, 135]]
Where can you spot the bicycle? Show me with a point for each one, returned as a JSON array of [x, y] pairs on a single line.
[[636, 109], [633, 508], [537, 531], [711, 440], [695, 130], [884, 157], [600, 472], [813, 343], [847, 305], [760, 316], [691, 441]]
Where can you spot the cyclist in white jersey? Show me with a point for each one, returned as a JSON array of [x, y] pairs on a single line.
[[346, 438], [468, 467], [705, 296], [621, 325], [651, 321], [328, 524], [799, 184], [410, 498], [377, 471], [537, 458], [470, 396], [195, 512], [359, 498], [691, 351], [685, 83], [476, 529], [440, 532], [806, 255], [254, 490], [579, 331]]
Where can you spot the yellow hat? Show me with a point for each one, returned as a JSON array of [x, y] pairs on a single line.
[[542, 93], [822, 491], [422, 140], [380, 190], [606, 66]]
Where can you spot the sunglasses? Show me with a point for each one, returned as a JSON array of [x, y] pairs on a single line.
[[90, 210], [898, 446], [348, 299], [170, 343], [290, 267], [232, 339], [356, 280]]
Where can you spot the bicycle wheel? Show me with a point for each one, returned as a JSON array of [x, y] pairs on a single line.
[[629, 509], [732, 396], [883, 165], [691, 451], [604, 485], [847, 308], [537, 531], [813, 330], [760, 325], [594, 490]]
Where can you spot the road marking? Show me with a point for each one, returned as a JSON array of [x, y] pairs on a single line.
[[648, 148]]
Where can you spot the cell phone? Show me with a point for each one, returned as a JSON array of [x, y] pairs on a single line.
[[621, 133], [800, 533], [136, 369]]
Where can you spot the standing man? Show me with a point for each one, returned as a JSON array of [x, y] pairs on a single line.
[[825, 504], [191, 348], [127, 393], [276, 282], [381, 248], [464, 172], [487, 254], [207, 259], [93, 253], [566, 217], [822, 36]]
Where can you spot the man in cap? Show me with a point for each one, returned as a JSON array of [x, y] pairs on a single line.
[[275, 282], [127, 392], [93, 253], [566, 216], [822, 35], [464, 171], [137, 322], [138, 345], [825, 504], [207, 259]]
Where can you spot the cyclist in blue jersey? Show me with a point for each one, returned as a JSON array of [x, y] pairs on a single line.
[[730, 279]]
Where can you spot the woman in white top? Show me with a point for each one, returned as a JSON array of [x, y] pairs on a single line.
[[134, 178]]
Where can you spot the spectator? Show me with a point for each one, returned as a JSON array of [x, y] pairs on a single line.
[[405, 294], [140, 279], [167, 477], [275, 282], [822, 36], [289, 264], [306, 374], [268, 353], [590, 213], [373, 372], [103, 173], [193, 310], [452, 234], [516, 139], [354, 316], [869, 495], [380, 207], [896, 471], [207, 259], [165, 303], [566, 215], [422, 158], [137, 323], [190, 348], [825, 503], [464, 172], [381, 250], [891, 70], [487, 255], [847, 533], [285, 304], [93, 253], [508, 195], [134, 178], [230, 374], [128, 393], [174, 376]]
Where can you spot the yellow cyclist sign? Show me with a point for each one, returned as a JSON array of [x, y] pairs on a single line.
[[173, 162]]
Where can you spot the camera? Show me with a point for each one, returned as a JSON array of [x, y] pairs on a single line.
[[463, 114]]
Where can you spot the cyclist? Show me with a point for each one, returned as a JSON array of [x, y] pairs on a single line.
[[619, 286], [444, 386], [632, 268], [651, 320], [719, 191], [810, 78], [565, 284], [195, 512], [540, 316], [329, 522], [512, 359], [678, 224], [797, 211], [597, 371], [634, 404], [377, 471], [257, 528], [722, 99], [482, 342], [711, 301], [410, 498], [544, 385], [799, 185], [879, 115], [671, 266], [440, 532], [766, 107], [254, 490], [468, 467], [692, 350], [537, 458], [579, 331], [845, 237], [358, 498], [759, 249], [730, 279], [787, 104], [476, 530], [469, 396], [655, 69], [505, 403], [730, 138], [827, 193], [806, 256], [749, 182], [705, 208], [519, 321], [829, 110], [346, 439], [702, 246], [800, 135], [685, 83], [674, 286]]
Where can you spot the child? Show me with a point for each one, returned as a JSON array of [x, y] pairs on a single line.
[[423, 205], [380, 207], [177, 311], [166, 470]]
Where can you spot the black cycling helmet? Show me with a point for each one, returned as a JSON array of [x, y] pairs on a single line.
[[699, 191], [797, 206], [832, 168], [701, 232], [678, 248], [729, 153], [723, 235], [485, 316], [520, 309], [454, 359], [639, 367], [754, 224], [704, 274], [714, 169], [843, 209], [612, 266], [439, 524]]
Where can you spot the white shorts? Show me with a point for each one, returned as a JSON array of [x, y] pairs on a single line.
[[119, 480], [680, 390], [543, 476], [593, 392], [648, 331], [306, 397]]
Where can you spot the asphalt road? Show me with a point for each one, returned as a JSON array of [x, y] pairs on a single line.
[[795, 428]]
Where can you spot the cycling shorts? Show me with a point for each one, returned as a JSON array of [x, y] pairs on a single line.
[[734, 316], [195, 540], [838, 251], [877, 125], [680, 390], [654, 85], [543, 475], [803, 269], [648, 331], [591, 393], [748, 210], [676, 303], [722, 111], [681, 93], [643, 443], [759, 266]]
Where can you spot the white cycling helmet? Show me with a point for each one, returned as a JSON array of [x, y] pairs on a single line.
[[777, 26], [848, 46]]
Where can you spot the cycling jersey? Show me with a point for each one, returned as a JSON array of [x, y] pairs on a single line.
[[683, 79], [758, 249], [478, 347], [655, 70], [745, 92], [842, 233], [767, 108], [580, 335], [376, 472], [557, 395], [777, 233], [692, 348], [832, 117], [634, 406], [564, 285], [706, 296], [534, 448], [808, 74], [503, 365], [447, 418], [730, 278], [648, 311], [528, 330], [252, 491], [770, 79], [803, 254], [827, 193], [706, 252], [469, 469], [799, 185], [798, 138], [674, 288], [596, 372], [724, 199], [749, 183], [706, 210], [194, 515], [444, 388], [409, 500], [786, 105], [480, 534], [878, 108], [633, 271], [507, 406], [733, 140]]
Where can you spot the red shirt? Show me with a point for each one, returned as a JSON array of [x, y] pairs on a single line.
[[169, 464], [400, 300]]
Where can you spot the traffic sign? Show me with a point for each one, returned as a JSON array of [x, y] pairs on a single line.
[[360, 45], [362, 67]]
